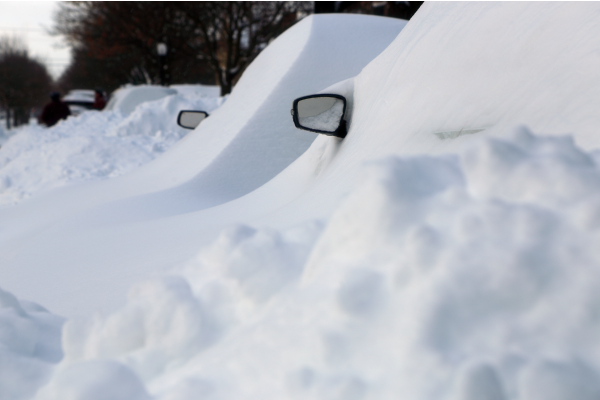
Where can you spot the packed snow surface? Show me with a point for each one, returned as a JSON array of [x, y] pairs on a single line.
[[445, 249], [4, 135], [29, 346]]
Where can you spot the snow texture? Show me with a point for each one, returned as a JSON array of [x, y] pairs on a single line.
[[3, 133], [427, 281], [29, 346], [393, 263], [197, 90], [126, 99], [90, 147]]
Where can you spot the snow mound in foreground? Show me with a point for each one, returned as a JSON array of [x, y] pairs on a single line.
[[3, 133], [92, 146], [457, 277], [29, 346]]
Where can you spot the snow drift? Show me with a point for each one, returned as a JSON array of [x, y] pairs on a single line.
[[126, 99], [424, 282], [441, 251], [29, 346], [243, 144], [93, 146]]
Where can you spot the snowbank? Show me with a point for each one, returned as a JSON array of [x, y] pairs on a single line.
[[427, 281], [439, 251], [3, 133], [90, 147], [198, 90], [29, 346], [126, 99]]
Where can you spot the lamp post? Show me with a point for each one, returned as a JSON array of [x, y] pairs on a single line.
[[161, 49]]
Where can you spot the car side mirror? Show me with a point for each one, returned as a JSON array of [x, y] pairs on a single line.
[[190, 119], [321, 113]]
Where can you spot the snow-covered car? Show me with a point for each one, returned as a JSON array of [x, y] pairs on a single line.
[[240, 147], [204, 183]]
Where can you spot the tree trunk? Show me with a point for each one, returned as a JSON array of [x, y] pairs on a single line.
[[225, 87], [21, 116], [224, 78], [325, 7]]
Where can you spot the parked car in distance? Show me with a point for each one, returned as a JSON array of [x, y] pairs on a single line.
[[79, 100]]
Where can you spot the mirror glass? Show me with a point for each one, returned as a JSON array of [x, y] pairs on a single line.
[[321, 113], [191, 119]]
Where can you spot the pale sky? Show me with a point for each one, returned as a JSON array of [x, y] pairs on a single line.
[[30, 20]]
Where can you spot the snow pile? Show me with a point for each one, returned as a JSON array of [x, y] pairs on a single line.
[[434, 253], [198, 90], [126, 99], [29, 346], [161, 115], [3, 133], [438, 277], [92, 146]]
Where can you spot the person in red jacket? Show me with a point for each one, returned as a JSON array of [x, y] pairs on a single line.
[[54, 111], [99, 100]]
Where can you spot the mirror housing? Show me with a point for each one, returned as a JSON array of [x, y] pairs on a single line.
[[190, 119], [321, 113]]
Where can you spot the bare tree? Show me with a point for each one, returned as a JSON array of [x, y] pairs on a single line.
[[229, 35], [207, 42], [394, 9], [115, 43], [24, 82]]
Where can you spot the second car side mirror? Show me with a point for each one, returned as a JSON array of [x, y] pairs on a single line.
[[190, 119], [321, 113]]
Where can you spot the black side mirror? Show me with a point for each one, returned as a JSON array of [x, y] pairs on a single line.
[[321, 113], [190, 119]]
